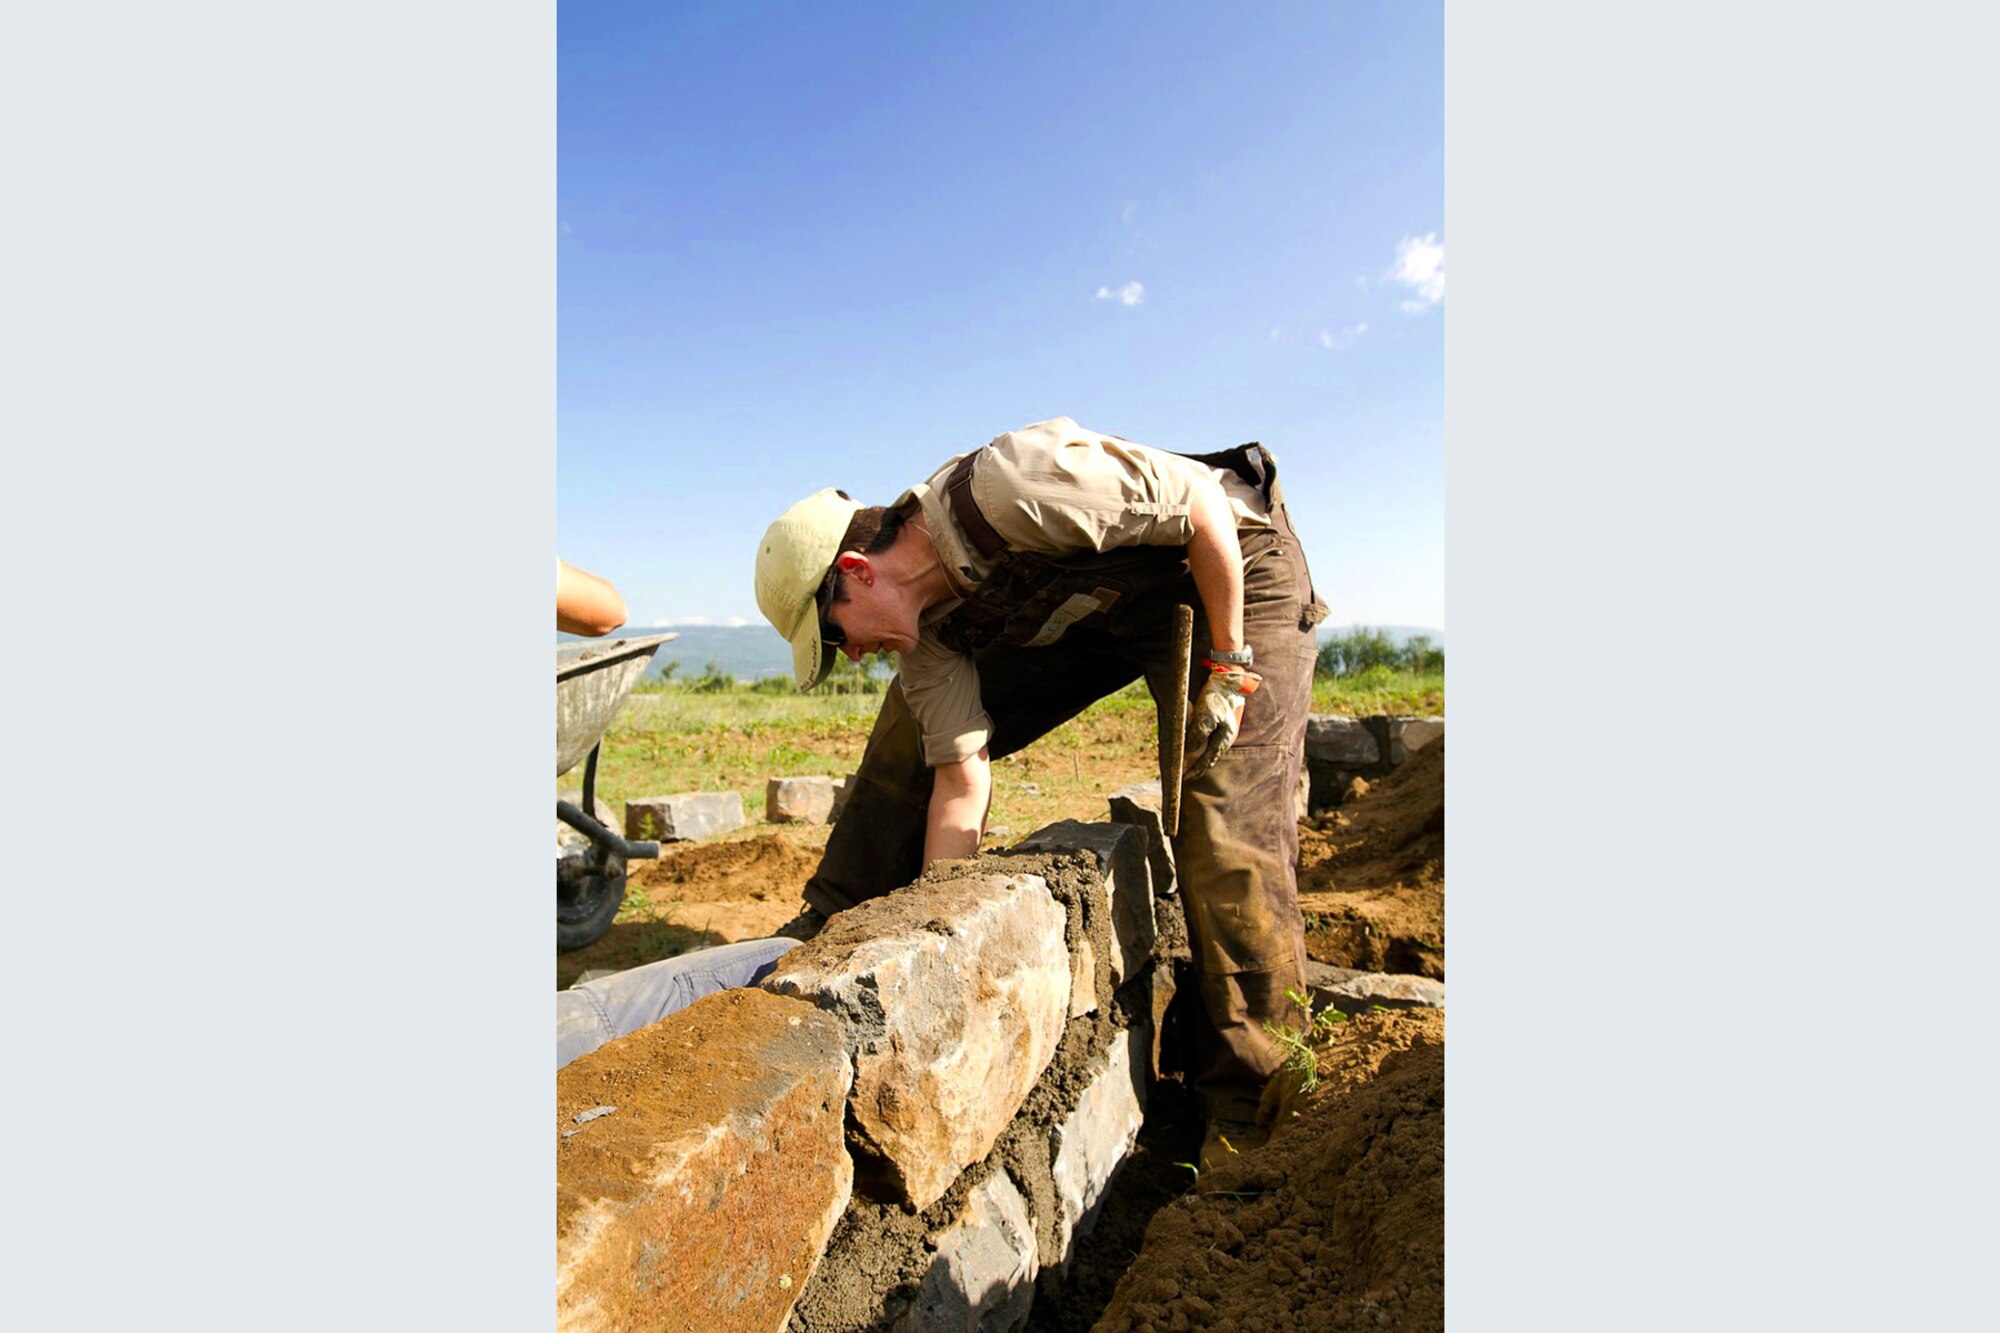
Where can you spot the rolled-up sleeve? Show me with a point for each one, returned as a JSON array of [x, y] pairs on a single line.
[[942, 687]]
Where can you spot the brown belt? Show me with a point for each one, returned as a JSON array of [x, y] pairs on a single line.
[[958, 493]]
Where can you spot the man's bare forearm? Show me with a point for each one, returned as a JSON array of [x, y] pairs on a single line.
[[959, 796], [1216, 560]]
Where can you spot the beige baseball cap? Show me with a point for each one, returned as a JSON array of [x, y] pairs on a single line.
[[792, 562]]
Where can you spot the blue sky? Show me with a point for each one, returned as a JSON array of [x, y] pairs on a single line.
[[806, 245]]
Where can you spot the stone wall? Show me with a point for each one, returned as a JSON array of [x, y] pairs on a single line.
[[910, 1126], [1340, 749], [914, 1121]]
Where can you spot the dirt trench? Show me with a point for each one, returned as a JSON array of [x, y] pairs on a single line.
[[1371, 873], [1338, 1222]]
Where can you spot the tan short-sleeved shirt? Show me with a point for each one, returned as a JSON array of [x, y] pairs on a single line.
[[1052, 489]]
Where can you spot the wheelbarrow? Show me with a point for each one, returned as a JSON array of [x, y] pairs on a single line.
[[592, 680]]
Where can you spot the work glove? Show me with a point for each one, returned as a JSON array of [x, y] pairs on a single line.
[[1215, 715]]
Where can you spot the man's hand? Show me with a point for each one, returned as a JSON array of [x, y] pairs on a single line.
[[1216, 715]]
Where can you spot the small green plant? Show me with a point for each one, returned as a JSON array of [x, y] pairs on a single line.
[[1301, 1057], [636, 905]]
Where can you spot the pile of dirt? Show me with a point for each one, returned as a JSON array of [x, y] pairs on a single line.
[[1336, 1224], [1391, 834], [1371, 873], [765, 868]]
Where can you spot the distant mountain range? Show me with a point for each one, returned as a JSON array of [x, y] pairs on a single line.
[[751, 651]]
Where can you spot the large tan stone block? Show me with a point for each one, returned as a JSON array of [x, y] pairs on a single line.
[[700, 1167], [954, 995], [799, 800]]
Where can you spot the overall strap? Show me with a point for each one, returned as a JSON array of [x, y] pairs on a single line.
[[1252, 462], [958, 493]]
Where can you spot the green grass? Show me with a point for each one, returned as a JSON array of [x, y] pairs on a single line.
[[675, 738], [1381, 690], [729, 740]]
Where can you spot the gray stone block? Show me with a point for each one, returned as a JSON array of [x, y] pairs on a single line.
[[1354, 992], [1340, 742], [799, 800], [1377, 726], [1093, 1142], [983, 1273], [1407, 735], [1120, 852], [692, 814], [1139, 804]]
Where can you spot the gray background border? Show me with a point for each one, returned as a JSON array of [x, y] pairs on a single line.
[[281, 334]]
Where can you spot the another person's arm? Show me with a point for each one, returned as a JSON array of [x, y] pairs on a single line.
[[585, 603], [958, 808]]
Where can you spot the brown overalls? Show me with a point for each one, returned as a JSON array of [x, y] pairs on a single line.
[[1237, 848]]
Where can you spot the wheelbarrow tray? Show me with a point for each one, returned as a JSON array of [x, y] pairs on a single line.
[[592, 680]]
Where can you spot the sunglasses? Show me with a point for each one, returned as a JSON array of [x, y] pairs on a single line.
[[830, 634]]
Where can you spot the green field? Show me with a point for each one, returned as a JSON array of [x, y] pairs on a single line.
[[696, 736]]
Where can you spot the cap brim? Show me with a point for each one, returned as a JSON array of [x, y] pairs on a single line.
[[811, 659]]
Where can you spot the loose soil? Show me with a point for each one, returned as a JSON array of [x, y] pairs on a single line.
[[1371, 873], [1336, 1223]]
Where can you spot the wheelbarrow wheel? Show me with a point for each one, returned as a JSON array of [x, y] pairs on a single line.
[[589, 891]]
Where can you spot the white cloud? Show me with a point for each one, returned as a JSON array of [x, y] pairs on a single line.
[[1339, 340], [727, 622], [1132, 293], [1420, 267], [1129, 213]]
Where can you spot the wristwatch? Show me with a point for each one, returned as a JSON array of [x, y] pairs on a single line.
[[1231, 657]]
